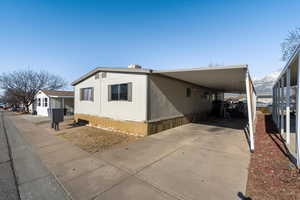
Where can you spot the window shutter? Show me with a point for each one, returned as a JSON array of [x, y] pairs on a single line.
[[109, 92], [129, 91], [92, 95]]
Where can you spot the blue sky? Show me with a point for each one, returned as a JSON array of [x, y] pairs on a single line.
[[70, 38]]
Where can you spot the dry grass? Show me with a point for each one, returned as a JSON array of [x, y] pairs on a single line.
[[94, 140]]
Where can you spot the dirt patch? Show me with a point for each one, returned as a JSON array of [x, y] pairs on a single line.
[[92, 139], [271, 173]]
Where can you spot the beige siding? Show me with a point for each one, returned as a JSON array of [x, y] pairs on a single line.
[[134, 110], [88, 107], [168, 98]]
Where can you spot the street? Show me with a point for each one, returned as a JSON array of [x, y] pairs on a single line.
[[8, 183]]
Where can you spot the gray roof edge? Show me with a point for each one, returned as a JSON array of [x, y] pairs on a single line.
[[148, 71], [51, 95], [241, 66], [110, 69], [288, 63]]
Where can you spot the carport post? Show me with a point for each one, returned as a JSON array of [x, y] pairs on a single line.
[[275, 104], [273, 100], [282, 105], [249, 105], [288, 101], [278, 105], [297, 115]]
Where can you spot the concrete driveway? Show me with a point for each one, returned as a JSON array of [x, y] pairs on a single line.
[[189, 162]]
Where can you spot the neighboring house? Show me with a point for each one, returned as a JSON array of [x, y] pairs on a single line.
[[234, 99], [47, 99], [286, 104], [144, 101]]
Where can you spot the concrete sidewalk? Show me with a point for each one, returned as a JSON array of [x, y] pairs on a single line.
[[34, 180], [8, 184], [190, 162], [36, 119]]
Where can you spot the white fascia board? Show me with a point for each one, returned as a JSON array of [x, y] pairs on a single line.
[[61, 96], [202, 69], [42, 92], [110, 69], [296, 53]]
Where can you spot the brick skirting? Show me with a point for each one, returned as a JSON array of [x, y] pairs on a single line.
[[132, 127]]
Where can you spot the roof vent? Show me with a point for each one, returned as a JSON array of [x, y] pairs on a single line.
[[134, 66]]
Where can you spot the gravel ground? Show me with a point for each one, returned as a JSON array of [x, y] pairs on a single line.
[[271, 174]]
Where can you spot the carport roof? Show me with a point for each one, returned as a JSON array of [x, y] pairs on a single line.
[[230, 79], [293, 65]]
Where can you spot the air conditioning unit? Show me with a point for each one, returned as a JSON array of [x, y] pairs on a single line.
[[134, 66]]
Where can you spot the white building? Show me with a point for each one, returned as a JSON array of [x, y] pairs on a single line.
[[144, 101], [286, 102], [47, 99]]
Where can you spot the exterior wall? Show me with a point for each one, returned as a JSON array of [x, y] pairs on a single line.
[[58, 102], [134, 110], [167, 103], [168, 99], [41, 110], [88, 107]]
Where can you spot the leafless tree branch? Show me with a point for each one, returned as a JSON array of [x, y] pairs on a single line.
[[21, 86], [289, 45]]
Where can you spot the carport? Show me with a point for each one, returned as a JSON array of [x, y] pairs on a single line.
[[227, 79], [286, 102]]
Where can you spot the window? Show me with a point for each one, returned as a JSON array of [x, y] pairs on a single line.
[[39, 101], [87, 94], [188, 92], [120, 92], [123, 92], [45, 102]]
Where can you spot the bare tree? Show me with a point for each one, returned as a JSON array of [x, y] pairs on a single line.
[[290, 44], [23, 85]]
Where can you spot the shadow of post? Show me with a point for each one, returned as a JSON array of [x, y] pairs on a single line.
[[247, 134], [277, 138], [242, 196]]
